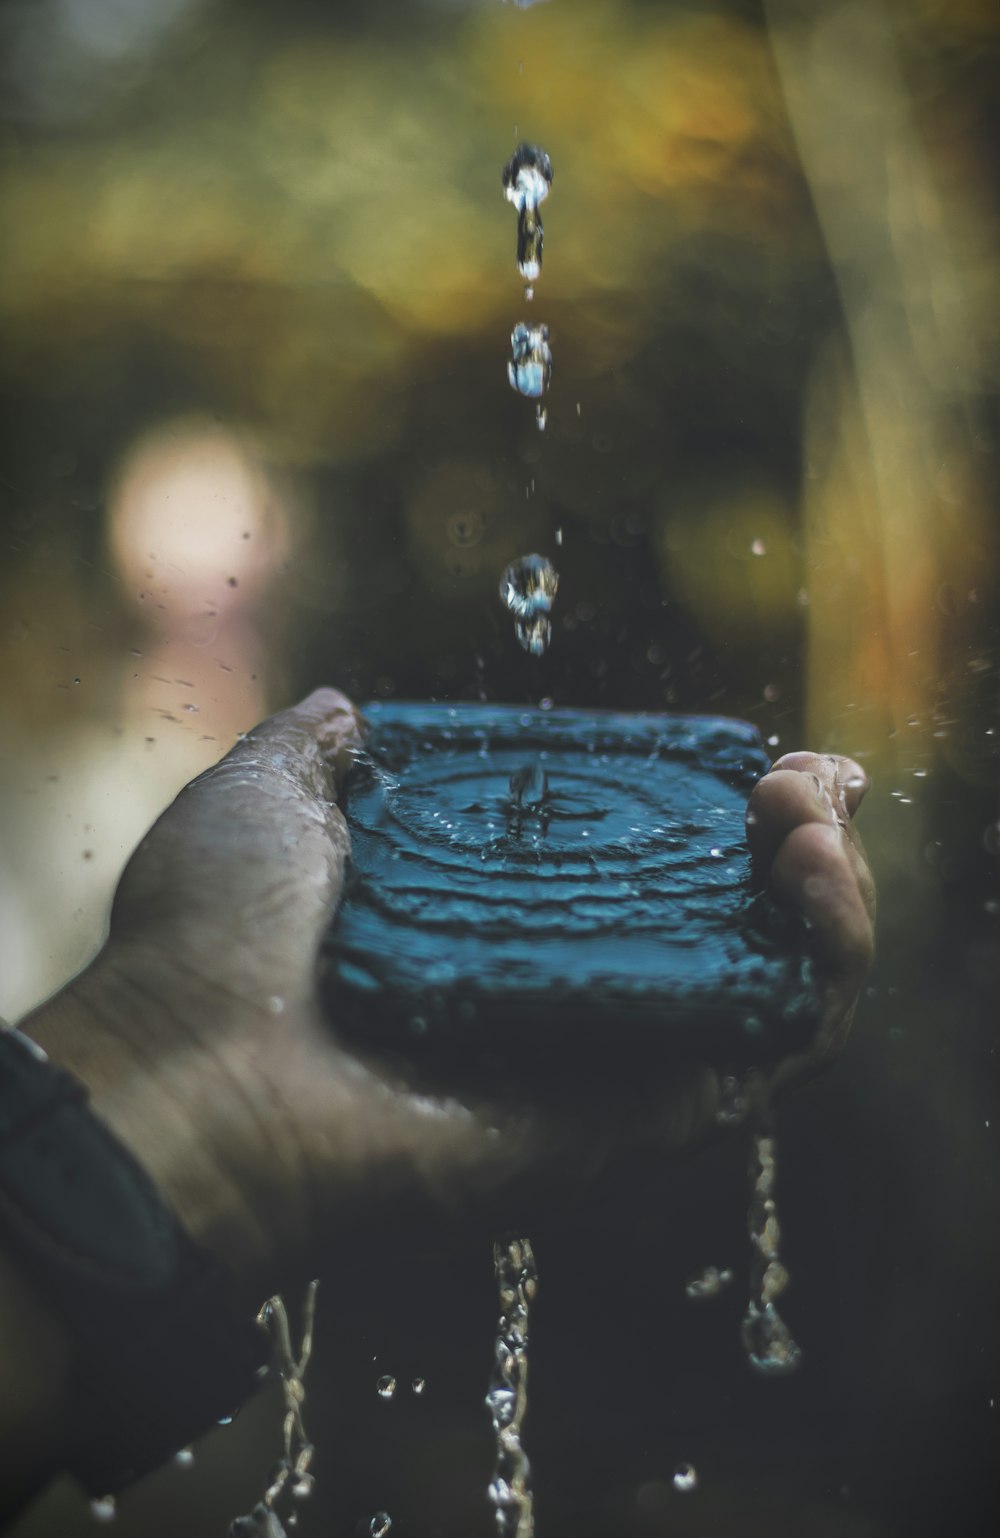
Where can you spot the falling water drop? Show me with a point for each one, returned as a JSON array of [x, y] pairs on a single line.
[[386, 1386], [528, 588], [530, 366], [418, 1385], [380, 1524], [105, 1509], [527, 178], [685, 1478], [184, 1458], [507, 1399]]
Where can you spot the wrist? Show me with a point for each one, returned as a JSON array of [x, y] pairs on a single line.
[[135, 1037]]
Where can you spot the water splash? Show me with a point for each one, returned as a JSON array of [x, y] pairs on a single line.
[[507, 1399], [291, 1472], [528, 588], [530, 366], [527, 178], [528, 787], [767, 1339]]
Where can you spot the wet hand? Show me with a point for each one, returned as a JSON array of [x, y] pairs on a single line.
[[199, 1030]]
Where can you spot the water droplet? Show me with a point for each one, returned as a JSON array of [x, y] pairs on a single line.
[[105, 1509], [685, 1477], [528, 588], [276, 1004], [380, 1524], [386, 1386], [708, 1283], [527, 178], [758, 547], [530, 366], [732, 1101], [418, 1385], [185, 1458], [303, 1487]]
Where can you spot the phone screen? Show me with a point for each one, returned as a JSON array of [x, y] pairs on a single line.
[[542, 890]]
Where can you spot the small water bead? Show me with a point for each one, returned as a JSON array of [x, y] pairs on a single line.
[[380, 1524], [708, 1283], [530, 368], [418, 1385], [732, 1102], [184, 1458], [263, 1522], [386, 1386], [105, 1509], [685, 1478]]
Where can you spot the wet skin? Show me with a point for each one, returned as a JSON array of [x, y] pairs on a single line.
[[200, 1034]]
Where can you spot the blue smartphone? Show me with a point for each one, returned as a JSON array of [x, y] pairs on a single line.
[[537, 892]]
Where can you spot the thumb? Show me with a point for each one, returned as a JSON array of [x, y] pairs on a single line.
[[256, 843]]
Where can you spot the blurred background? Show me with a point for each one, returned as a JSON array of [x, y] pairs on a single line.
[[257, 285]]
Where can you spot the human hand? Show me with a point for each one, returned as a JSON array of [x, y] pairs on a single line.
[[200, 1034]]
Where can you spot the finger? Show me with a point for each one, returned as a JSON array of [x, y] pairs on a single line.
[[814, 873], [244, 868], [312, 744], [801, 787]]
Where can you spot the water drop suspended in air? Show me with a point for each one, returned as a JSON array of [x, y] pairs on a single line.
[[105, 1509], [386, 1386], [380, 1524], [685, 1478], [530, 366], [184, 1458], [527, 177], [418, 1385], [528, 588]]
